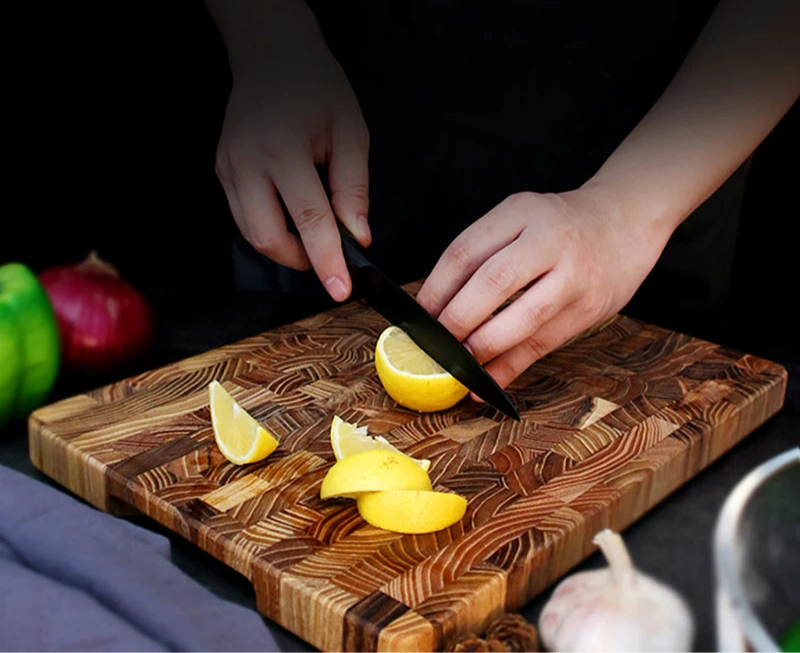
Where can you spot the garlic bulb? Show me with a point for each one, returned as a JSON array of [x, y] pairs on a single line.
[[615, 609]]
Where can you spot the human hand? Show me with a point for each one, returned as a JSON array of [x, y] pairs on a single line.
[[284, 117], [576, 256]]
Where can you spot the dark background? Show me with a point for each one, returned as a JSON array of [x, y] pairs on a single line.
[[119, 108]]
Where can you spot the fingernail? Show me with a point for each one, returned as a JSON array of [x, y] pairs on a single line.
[[471, 351], [336, 288], [363, 229]]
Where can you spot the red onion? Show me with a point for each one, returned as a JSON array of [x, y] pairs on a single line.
[[104, 321]]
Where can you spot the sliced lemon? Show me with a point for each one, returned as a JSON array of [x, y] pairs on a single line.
[[411, 511], [411, 377], [374, 470], [348, 439], [239, 436]]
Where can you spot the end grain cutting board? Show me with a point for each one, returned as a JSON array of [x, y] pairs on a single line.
[[611, 424]]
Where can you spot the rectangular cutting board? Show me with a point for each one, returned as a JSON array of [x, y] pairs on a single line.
[[611, 424]]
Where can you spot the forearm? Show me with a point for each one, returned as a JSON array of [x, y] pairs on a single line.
[[255, 31], [739, 79]]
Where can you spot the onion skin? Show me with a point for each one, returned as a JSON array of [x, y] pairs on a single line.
[[104, 322]]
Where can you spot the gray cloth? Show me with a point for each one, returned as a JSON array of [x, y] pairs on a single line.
[[73, 578]]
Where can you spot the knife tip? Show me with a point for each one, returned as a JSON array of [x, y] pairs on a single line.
[[508, 409]]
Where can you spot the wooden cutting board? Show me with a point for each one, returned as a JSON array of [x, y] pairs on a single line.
[[611, 424]]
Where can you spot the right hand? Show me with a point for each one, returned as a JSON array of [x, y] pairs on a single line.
[[283, 117], [577, 257]]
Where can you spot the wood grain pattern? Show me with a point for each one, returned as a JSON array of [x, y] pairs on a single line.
[[611, 424]]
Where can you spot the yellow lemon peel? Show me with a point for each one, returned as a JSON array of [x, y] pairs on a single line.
[[411, 511], [371, 471], [239, 436]]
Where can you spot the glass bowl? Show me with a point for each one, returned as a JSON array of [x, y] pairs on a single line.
[[757, 557]]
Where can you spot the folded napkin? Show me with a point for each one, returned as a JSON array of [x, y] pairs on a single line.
[[73, 578]]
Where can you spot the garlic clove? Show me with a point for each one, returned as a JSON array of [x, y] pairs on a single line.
[[615, 609]]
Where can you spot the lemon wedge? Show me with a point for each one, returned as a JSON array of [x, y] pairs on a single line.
[[239, 436], [411, 511], [371, 471], [392, 490], [348, 439], [411, 377]]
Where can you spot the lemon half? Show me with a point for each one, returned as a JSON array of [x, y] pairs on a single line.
[[239, 436], [348, 439], [411, 377], [371, 471], [411, 511]]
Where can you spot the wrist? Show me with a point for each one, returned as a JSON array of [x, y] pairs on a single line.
[[648, 222], [637, 204]]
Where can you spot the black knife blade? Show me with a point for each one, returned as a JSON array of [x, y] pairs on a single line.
[[402, 310]]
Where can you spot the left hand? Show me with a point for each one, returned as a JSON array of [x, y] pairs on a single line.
[[578, 257]]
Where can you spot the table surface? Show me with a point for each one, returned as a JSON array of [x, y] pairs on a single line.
[[672, 542]]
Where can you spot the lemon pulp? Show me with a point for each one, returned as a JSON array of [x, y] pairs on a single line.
[[239, 436], [348, 439], [411, 377]]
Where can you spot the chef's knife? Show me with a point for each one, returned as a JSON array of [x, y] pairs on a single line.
[[402, 310]]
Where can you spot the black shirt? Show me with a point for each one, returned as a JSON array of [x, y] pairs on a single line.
[[469, 102]]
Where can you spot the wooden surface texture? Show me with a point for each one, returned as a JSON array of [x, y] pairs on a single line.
[[611, 424]]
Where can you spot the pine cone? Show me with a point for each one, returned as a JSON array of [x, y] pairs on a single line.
[[514, 633]]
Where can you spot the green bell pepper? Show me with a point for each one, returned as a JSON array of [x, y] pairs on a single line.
[[29, 342]]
